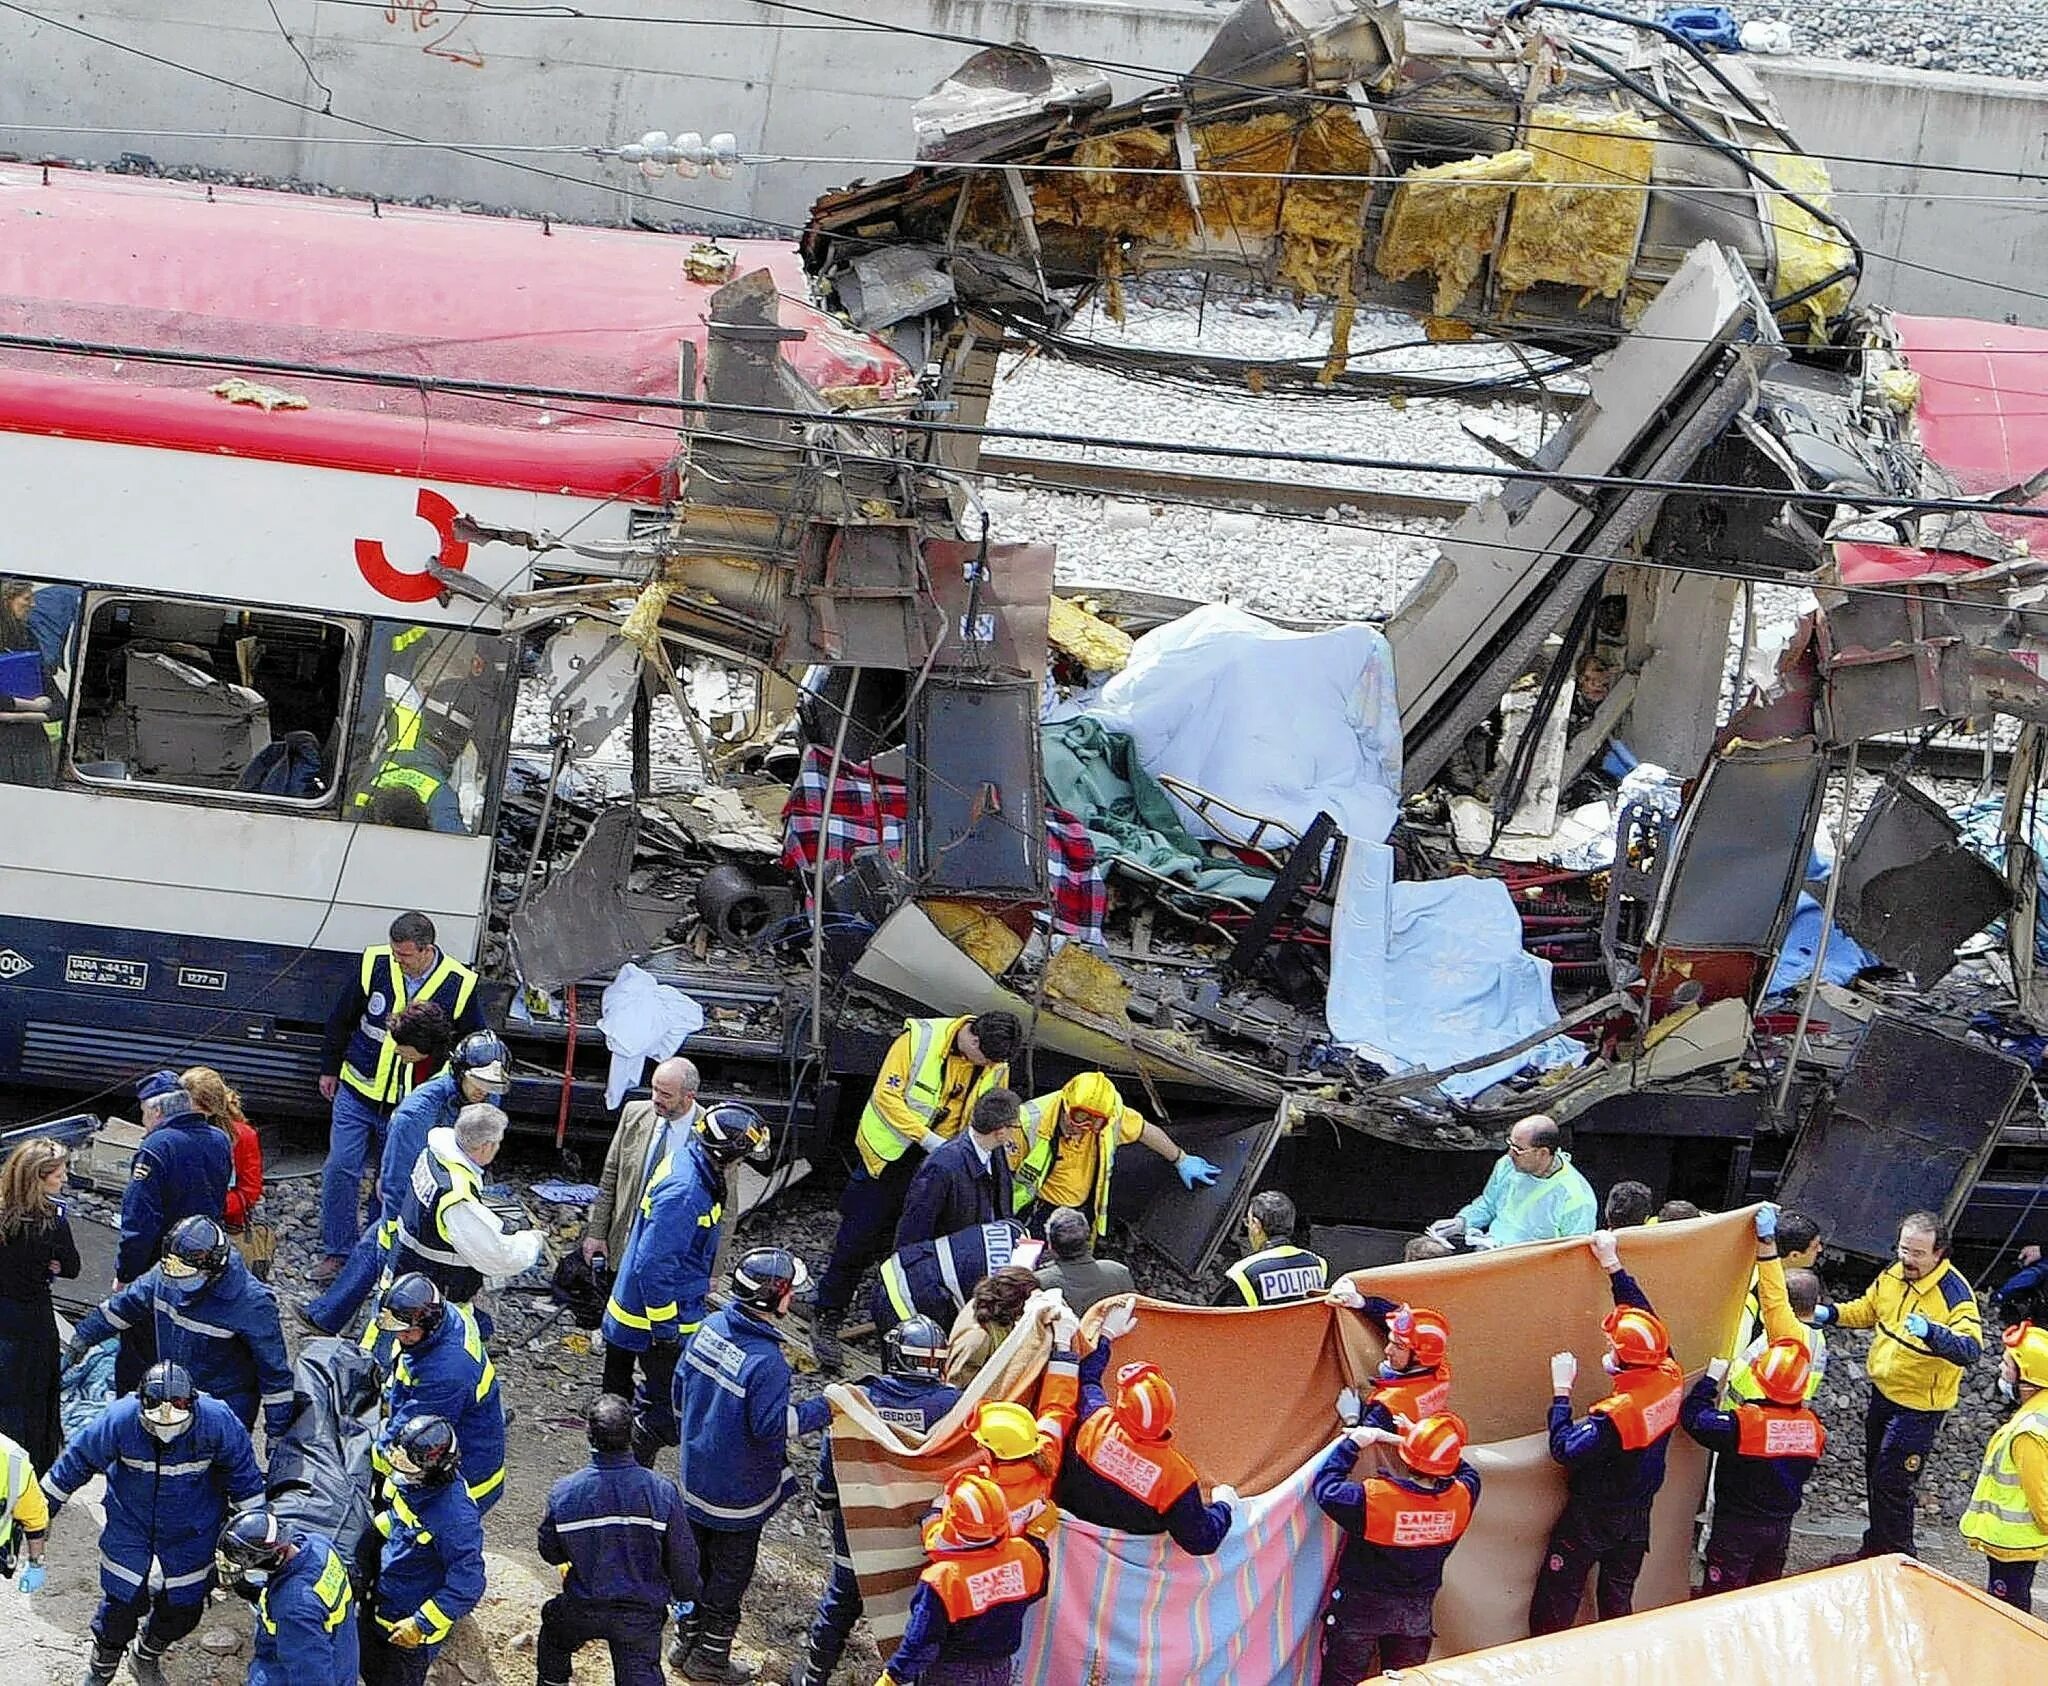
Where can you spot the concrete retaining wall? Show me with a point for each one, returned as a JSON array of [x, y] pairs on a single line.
[[803, 87]]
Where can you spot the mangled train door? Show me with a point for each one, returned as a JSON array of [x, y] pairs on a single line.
[[1190, 1227]]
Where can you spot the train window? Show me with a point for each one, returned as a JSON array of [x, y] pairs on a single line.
[[434, 721], [194, 696], [38, 632]]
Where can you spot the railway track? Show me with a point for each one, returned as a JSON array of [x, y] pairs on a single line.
[[1226, 491]]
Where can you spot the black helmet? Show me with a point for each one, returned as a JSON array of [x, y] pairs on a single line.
[[482, 1054], [731, 1132], [915, 1347], [168, 1400], [412, 1302], [196, 1247], [423, 1451], [253, 1540], [765, 1276]]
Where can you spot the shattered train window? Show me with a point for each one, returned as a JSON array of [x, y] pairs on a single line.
[[430, 734]]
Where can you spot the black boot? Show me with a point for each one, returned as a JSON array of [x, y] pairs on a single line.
[[712, 1663], [825, 1347], [688, 1630], [104, 1663], [813, 1670], [646, 1447], [145, 1662]]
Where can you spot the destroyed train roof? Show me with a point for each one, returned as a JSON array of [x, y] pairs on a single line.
[[341, 283]]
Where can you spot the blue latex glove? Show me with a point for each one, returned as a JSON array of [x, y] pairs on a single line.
[[1767, 1223], [1823, 1314], [32, 1578], [1195, 1171], [1917, 1326]]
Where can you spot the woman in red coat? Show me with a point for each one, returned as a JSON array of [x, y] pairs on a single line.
[[211, 1095]]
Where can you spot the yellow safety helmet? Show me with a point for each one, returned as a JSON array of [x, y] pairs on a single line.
[[1092, 1092], [2029, 1348], [1004, 1429]]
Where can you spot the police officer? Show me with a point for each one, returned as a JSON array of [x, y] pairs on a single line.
[[1400, 1526], [911, 1397], [444, 1230], [930, 1079], [1765, 1453], [1071, 1139], [1275, 1271], [2007, 1517], [430, 1559], [362, 1072], [1613, 1458], [658, 1296], [440, 1369], [200, 1308], [175, 1462], [626, 1552], [936, 1278], [1121, 1469], [732, 1397], [183, 1169], [305, 1606], [1413, 1379], [967, 1613], [477, 1073]]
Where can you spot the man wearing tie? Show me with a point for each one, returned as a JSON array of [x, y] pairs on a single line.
[[966, 1181]]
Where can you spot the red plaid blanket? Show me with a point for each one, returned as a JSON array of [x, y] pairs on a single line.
[[871, 810]]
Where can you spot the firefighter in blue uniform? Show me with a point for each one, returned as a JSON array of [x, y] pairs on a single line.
[[441, 1369], [1400, 1526], [936, 1278], [732, 1398], [1613, 1458], [184, 1168], [658, 1294], [199, 1307], [966, 1620], [305, 1606], [176, 1462], [1764, 1453], [362, 1072], [445, 1229], [626, 1552], [911, 1398], [430, 1555]]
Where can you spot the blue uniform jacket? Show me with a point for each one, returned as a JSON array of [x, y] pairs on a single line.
[[952, 1192], [429, 1107], [732, 1399], [1599, 1470], [904, 1402], [183, 1169], [164, 1500], [663, 1280], [306, 1621], [450, 1374], [225, 1332], [621, 1534], [1393, 1571], [431, 1564], [1761, 1489], [931, 1636], [1197, 1528]]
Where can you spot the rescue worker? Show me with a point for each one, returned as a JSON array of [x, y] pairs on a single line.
[[1022, 1453], [441, 1369], [2007, 1516], [1275, 1271], [430, 1557], [936, 1279], [1413, 1379], [176, 1462], [658, 1296], [1795, 1243], [1400, 1526], [966, 1621], [1765, 1451], [911, 1396], [426, 773], [444, 1229], [966, 1181], [25, 1523], [477, 1072], [184, 1168], [1781, 1305], [1121, 1469], [1071, 1139], [199, 1307], [1534, 1193], [732, 1397], [1613, 1457], [305, 1606], [626, 1552], [363, 1071], [1928, 1332], [930, 1079]]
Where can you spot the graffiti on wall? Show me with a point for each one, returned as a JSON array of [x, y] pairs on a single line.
[[444, 29]]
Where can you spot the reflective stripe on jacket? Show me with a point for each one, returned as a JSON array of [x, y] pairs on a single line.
[[914, 1075], [371, 1066], [431, 1563], [437, 1182], [450, 1374], [1999, 1521]]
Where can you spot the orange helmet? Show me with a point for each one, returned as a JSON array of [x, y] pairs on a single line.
[[1144, 1401], [1781, 1371], [973, 1513], [1434, 1445], [1425, 1333], [1638, 1336]]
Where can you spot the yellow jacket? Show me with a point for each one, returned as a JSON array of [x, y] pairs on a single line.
[[1921, 1374], [909, 1102]]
